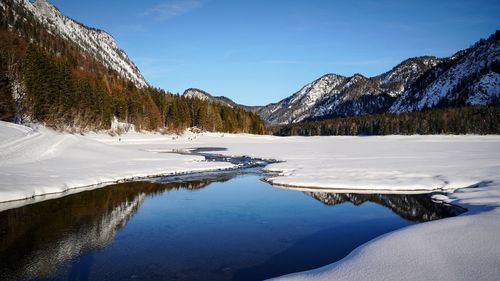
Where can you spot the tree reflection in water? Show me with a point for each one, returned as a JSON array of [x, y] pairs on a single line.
[[35, 240]]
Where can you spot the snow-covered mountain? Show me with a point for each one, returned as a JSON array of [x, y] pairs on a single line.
[[202, 95], [470, 77], [338, 95], [94, 42]]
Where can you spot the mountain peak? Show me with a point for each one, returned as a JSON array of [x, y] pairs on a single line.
[[202, 95], [95, 42], [196, 93]]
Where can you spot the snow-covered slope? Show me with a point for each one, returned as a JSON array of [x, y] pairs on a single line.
[[469, 77], [94, 42], [298, 106]]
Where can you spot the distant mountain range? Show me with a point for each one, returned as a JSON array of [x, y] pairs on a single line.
[[469, 77], [338, 95]]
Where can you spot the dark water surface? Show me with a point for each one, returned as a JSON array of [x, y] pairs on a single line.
[[215, 227]]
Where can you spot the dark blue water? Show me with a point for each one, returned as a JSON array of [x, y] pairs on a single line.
[[219, 228]]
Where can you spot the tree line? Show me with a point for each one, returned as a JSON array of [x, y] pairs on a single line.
[[455, 120], [60, 96]]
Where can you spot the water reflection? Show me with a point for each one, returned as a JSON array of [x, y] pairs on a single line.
[[416, 207], [37, 240]]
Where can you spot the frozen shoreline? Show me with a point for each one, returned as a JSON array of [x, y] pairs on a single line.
[[36, 162]]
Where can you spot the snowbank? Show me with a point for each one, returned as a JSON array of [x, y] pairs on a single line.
[[467, 247], [35, 162]]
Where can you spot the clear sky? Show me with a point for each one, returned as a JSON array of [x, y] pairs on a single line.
[[260, 51]]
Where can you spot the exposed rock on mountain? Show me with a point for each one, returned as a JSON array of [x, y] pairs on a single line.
[[94, 42]]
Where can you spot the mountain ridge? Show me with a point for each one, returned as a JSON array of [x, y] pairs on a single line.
[[396, 90], [95, 42]]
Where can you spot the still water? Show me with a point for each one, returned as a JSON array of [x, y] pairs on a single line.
[[228, 226]]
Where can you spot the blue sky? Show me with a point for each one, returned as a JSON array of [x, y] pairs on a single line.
[[260, 51]]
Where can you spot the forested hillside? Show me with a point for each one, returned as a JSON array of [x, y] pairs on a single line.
[[47, 78]]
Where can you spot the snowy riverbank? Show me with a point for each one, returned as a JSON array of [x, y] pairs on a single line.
[[36, 162], [466, 247], [41, 161]]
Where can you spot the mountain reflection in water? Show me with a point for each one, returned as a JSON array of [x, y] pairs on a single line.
[[415, 207], [37, 240]]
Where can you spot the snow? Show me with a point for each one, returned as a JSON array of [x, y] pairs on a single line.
[[486, 89], [192, 93], [121, 127], [96, 42], [202, 95], [370, 163], [301, 103], [333, 94], [319, 88], [406, 72], [443, 86], [467, 247], [35, 162]]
